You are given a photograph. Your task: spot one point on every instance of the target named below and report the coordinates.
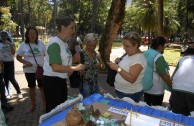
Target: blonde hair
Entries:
(91, 37)
(134, 38)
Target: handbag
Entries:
(111, 74)
(39, 70)
(75, 78)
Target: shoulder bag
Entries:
(111, 74)
(39, 70)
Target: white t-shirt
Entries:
(125, 86)
(5, 53)
(39, 52)
(78, 47)
(183, 78)
(65, 55)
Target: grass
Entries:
(172, 56)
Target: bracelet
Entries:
(119, 70)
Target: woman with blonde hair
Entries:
(130, 70)
(93, 63)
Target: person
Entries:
(130, 70)
(27, 57)
(8, 89)
(78, 46)
(93, 62)
(4, 105)
(182, 97)
(7, 52)
(57, 64)
(159, 72)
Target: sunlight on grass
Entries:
(172, 56)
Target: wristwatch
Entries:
(119, 70)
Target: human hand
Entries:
(97, 65)
(80, 67)
(117, 60)
(113, 66)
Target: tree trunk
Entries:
(160, 18)
(114, 22)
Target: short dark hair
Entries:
(27, 32)
(156, 42)
(66, 21)
(189, 51)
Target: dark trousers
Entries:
(182, 102)
(2, 90)
(9, 75)
(55, 91)
(153, 100)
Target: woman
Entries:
(7, 52)
(159, 72)
(93, 63)
(27, 57)
(130, 70)
(57, 64)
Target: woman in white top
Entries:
(130, 69)
(25, 56)
(58, 63)
(7, 52)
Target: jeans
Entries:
(9, 75)
(87, 88)
(135, 96)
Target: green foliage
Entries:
(87, 19)
(5, 19)
(142, 15)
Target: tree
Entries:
(114, 22)
(160, 17)
(5, 19)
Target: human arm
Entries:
(25, 62)
(100, 64)
(55, 61)
(130, 75)
(161, 70)
(11, 45)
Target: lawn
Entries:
(172, 56)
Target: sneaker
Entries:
(8, 96)
(20, 96)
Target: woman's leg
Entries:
(32, 93)
(32, 90)
(54, 93)
(10, 75)
(86, 89)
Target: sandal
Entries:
(30, 110)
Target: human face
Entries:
(129, 48)
(161, 49)
(91, 46)
(69, 31)
(32, 35)
(4, 36)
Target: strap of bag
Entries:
(33, 54)
(123, 56)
